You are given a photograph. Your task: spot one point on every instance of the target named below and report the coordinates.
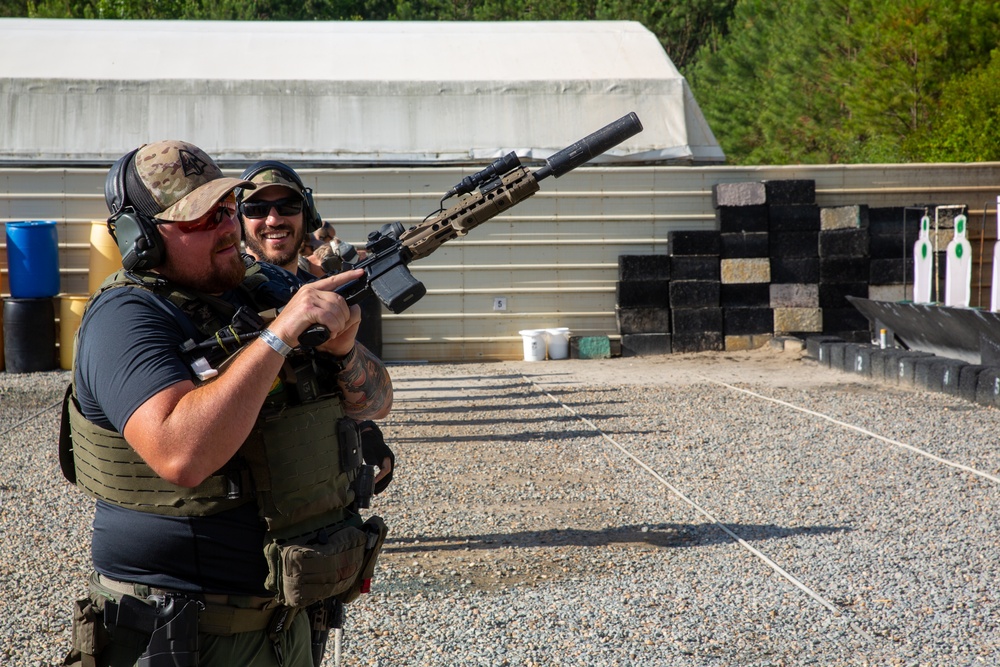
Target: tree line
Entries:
(779, 81)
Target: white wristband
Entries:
(275, 343)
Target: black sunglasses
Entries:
(260, 209)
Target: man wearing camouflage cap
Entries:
(214, 411)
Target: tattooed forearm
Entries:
(366, 386)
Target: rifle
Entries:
(483, 196)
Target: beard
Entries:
(259, 248)
(220, 274)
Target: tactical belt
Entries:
(222, 614)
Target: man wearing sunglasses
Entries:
(195, 465)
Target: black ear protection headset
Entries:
(132, 222)
(310, 216)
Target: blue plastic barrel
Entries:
(33, 259)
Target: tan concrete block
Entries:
(744, 343)
(840, 217)
(801, 295)
(890, 292)
(745, 271)
(798, 319)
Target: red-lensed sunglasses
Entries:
(224, 210)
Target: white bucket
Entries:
(558, 343)
(534, 344)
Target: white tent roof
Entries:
(341, 92)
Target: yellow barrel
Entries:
(105, 258)
(70, 314)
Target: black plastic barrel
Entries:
(29, 335)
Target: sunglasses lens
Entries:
(260, 209)
(211, 220)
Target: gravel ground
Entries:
(522, 533)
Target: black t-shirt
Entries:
(128, 352)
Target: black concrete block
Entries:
(858, 359)
(907, 369)
(988, 387)
(745, 295)
(696, 320)
(737, 219)
(793, 218)
(744, 246)
(794, 270)
(834, 295)
(813, 344)
(837, 353)
(739, 195)
(643, 320)
(641, 345)
(890, 271)
(700, 242)
(643, 294)
(939, 374)
(634, 268)
(790, 191)
(890, 362)
(794, 244)
(747, 321)
(695, 267)
(831, 349)
(698, 342)
(893, 246)
(849, 243)
(968, 381)
(843, 270)
(838, 320)
(694, 294)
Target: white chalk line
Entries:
(897, 443)
(830, 606)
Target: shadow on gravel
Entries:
(657, 535)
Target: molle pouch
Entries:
(376, 531)
(349, 440)
(303, 572)
(89, 634)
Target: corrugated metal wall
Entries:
(554, 258)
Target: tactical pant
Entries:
(222, 646)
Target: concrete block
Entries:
(745, 343)
(789, 344)
(695, 267)
(968, 381)
(843, 270)
(749, 295)
(642, 345)
(642, 320)
(790, 191)
(939, 374)
(813, 344)
(747, 321)
(830, 350)
(744, 271)
(893, 246)
(742, 219)
(844, 217)
(794, 269)
(840, 320)
(590, 347)
(988, 387)
(744, 245)
(858, 359)
(885, 366)
(694, 294)
(643, 294)
(695, 320)
(712, 341)
(787, 320)
(794, 295)
(849, 243)
(890, 271)
(794, 244)
(700, 242)
(793, 218)
(634, 268)
(898, 292)
(738, 194)
(834, 295)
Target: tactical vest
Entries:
(297, 464)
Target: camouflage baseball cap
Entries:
(183, 181)
(268, 178)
